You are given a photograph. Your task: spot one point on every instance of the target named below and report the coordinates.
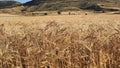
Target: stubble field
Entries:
(60, 41)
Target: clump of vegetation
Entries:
(45, 13)
(61, 46)
(59, 12)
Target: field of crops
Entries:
(62, 41)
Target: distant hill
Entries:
(59, 5)
(8, 4)
(38, 5)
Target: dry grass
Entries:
(90, 43)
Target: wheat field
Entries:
(62, 41)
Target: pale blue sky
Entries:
(23, 1)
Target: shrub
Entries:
(59, 12)
(45, 13)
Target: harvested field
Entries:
(63, 41)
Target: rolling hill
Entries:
(38, 5)
(59, 5)
(8, 4)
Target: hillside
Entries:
(8, 4)
(37, 5)
(59, 5)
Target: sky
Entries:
(23, 1)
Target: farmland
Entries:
(60, 41)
